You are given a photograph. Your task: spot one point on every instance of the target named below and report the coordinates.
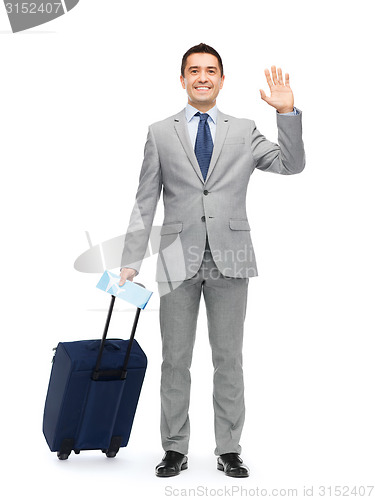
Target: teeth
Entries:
(202, 88)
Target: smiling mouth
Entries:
(202, 88)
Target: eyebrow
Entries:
(197, 67)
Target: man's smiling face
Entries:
(202, 80)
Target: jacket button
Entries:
(203, 219)
(205, 192)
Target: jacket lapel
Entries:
(182, 132)
(222, 126)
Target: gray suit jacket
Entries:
(215, 208)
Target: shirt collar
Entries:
(190, 112)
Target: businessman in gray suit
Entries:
(203, 160)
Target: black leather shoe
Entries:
(172, 464)
(232, 465)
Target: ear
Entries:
(222, 82)
(182, 80)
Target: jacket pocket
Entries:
(171, 228)
(239, 224)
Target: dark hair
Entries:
(202, 48)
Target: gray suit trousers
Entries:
(225, 300)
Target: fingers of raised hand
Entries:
(277, 78)
(268, 78)
(274, 76)
(280, 76)
(263, 95)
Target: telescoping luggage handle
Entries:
(97, 373)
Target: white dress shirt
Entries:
(193, 121)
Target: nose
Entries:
(202, 77)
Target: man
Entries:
(203, 160)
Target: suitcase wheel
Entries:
(110, 453)
(114, 447)
(77, 452)
(66, 449)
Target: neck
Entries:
(203, 107)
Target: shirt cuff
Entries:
(291, 113)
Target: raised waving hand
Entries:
(281, 94)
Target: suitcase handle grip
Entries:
(96, 373)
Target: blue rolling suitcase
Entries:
(93, 393)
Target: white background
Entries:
(77, 95)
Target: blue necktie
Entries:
(203, 144)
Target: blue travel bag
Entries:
(93, 393)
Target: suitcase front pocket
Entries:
(99, 416)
